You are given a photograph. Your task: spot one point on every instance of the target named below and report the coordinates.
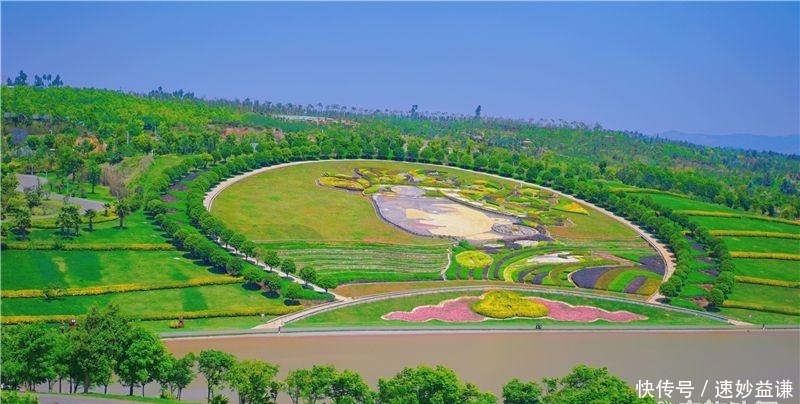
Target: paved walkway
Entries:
(30, 181)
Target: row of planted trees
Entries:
(105, 346)
(201, 240)
(667, 226)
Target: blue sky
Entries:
(707, 68)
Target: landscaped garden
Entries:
(328, 216)
(504, 308)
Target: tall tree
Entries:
(517, 392)
(97, 344)
(214, 365)
(140, 361)
(255, 382)
(590, 385)
(90, 215)
(122, 208)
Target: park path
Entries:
(278, 322)
(661, 249)
(30, 181)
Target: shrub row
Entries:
(765, 255)
(31, 245)
(755, 233)
(121, 288)
(769, 282)
(239, 312)
(734, 304)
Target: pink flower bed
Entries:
(585, 314)
(459, 311)
(454, 311)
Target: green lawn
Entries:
(678, 203)
(762, 244)
(759, 317)
(138, 230)
(735, 223)
(23, 269)
(213, 323)
(784, 270)
(768, 295)
(299, 209)
(369, 314)
(594, 226)
(222, 297)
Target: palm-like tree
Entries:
(122, 209)
(90, 214)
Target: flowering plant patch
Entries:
(505, 304)
(453, 310)
(510, 305)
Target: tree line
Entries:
(131, 125)
(106, 346)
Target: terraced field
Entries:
(134, 267)
(353, 262)
(765, 289)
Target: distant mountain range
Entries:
(780, 144)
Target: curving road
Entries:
(30, 181)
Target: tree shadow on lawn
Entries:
(250, 286)
(271, 294)
(291, 302)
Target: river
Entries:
(489, 359)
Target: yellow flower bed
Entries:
(777, 256)
(505, 304)
(474, 259)
(351, 184)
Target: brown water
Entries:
(491, 359)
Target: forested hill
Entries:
(789, 144)
(40, 122)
